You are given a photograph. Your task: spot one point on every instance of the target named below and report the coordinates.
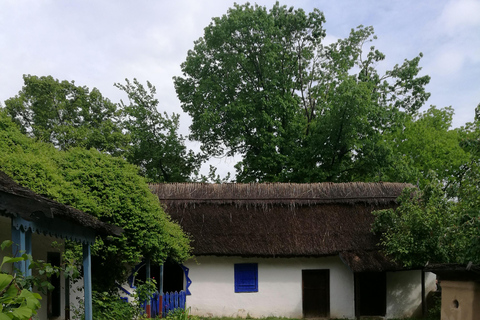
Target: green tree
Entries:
(156, 146)
(426, 147)
(261, 84)
(67, 115)
(422, 229)
(104, 186)
(441, 221)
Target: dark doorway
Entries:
(173, 276)
(370, 294)
(316, 293)
(53, 296)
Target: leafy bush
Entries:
(109, 305)
(104, 186)
(17, 302)
(181, 314)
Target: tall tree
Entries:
(439, 222)
(67, 115)
(156, 146)
(262, 85)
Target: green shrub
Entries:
(181, 314)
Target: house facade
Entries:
(39, 226)
(292, 250)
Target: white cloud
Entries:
(460, 14)
(448, 62)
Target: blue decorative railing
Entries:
(169, 302)
(173, 300)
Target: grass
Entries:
(282, 318)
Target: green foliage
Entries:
(106, 187)
(181, 314)
(67, 115)
(17, 302)
(434, 311)
(426, 147)
(440, 222)
(156, 146)
(262, 85)
(421, 229)
(429, 226)
(109, 306)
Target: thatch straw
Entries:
(282, 219)
(175, 194)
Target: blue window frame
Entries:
(246, 277)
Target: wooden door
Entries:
(370, 294)
(316, 293)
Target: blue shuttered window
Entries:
(246, 277)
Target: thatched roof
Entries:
(16, 200)
(282, 219)
(277, 193)
(455, 271)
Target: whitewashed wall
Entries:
(41, 245)
(279, 287)
(404, 292)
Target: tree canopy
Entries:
(439, 222)
(262, 84)
(425, 147)
(67, 115)
(104, 186)
(156, 146)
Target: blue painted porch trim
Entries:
(28, 250)
(55, 228)
(22, 237)
(147, 275)
(187, 278)
(19, 247)
(87, 281)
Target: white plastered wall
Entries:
(41, 245)
(279, 287)
(404, 292)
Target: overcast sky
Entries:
(98, 43)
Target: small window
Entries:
(246, 277)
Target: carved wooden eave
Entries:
(32, 212)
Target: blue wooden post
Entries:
(28, 250)
(22, 244)
(160, 280)
(148, 278)
(160, 292)
(87, 281)
(19, 247)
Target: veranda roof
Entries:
(16, 200)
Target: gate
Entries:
(172, 301)
(161, 306)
